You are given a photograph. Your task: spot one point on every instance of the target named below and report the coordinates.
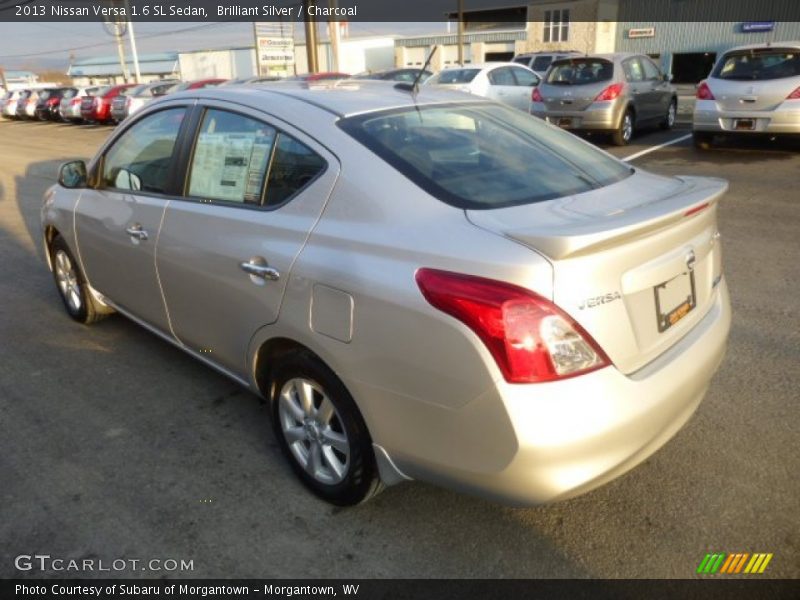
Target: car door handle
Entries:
(262, 271)
(136, 231)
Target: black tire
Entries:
(672, 113)
(85, 310)
(360, 480)
(702, 139)
(624, 133)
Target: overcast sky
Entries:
(49, 45)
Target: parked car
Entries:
(508, 83)
(97, 108)
(133, 99)
(423, 286)
(69, 108)
(198, 84)
(48, 103)
(324, 76)
(246, 80)
(606, 93)
(10, 104)
(26, 104)
(539, 62)
(752, 90)
(404, 74)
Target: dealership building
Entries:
(685, 47)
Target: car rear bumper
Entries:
(574, 435)
(783, 120)
(598, 116)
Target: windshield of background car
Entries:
(484, 156)
(750, 65)
(454, 76)
(132, 91)
(580, 71)
(540, 63)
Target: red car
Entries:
(97, 108)
(195, 85)
(326, 76)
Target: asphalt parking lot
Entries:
(115, 445)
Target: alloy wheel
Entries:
(67, 279)
(314, 431)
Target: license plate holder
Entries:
(674, 299)
(566, 122)
(744, 124)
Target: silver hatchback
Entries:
(606, 93)
(751, 90)
(430, 286)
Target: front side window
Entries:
(230, 158)
(540, 63)
(483, 156)
(759, 64)
(141, 158)
(556, 25)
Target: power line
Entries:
(98, 44)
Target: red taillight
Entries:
(795, 95)
(536, 96)
(704, 92)
(696, 209)
(530, 338)
(612, 92)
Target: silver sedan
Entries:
(752, 90)
(405, 281)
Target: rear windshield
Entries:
(44, 94)
(580, 71)
(455, 76)
(749, 65)
(484, 156)
(70, 93)
(132, 91)
(540, 63)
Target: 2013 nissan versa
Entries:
(424, 286)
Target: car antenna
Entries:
(414, 87)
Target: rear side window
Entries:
(484, 156)
(141, 158)
(455, 76)
(753, 65)
(633, 70)
(230, 158)
(580, 71)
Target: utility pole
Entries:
(461, 32)
(119, 32)
(311, 35)
(3, 79)
(334, 34)
(258, 50)
(135, 54)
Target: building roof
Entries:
(107, 66)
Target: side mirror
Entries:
(73, 174)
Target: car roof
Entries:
(343, 98)
(546, 52)
(485, 65)
(792, 44)
(612, 56)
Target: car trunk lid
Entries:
(568, 97)
(745, 96)
(635, 263)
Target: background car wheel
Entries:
(71, 285)
(322, 433)
(702, 140)
(622, 136)
(669, 118)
